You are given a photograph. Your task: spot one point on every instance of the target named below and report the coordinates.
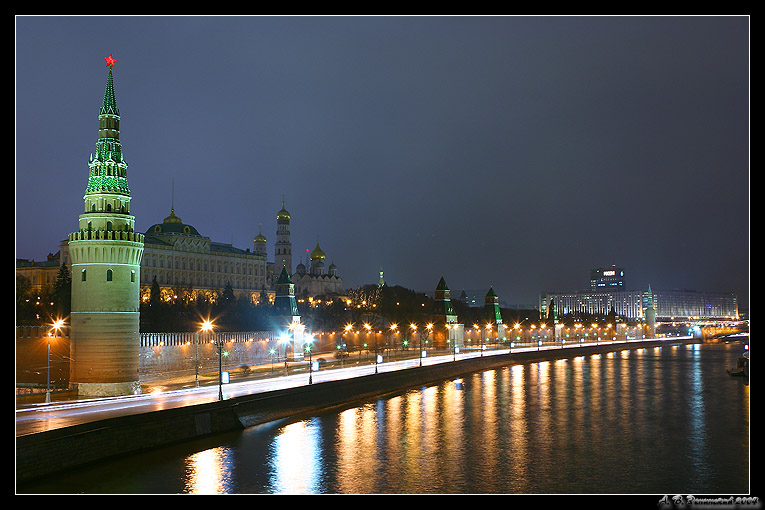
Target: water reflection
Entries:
(564, 425)
(356, 447)
(208, 472)
(295, 463)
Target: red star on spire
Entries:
(110, 61)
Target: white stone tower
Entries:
(106, 262)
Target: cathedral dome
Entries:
(317, 254)
(260, 238)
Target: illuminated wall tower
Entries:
(447, 331)
(494, 328)
(106, 261)
(286, 316)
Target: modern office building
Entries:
(607, 278)
(669, 305)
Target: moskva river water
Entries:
(666, 420)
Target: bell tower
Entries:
(106, 262)
(283, 247)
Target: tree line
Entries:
(378, 306)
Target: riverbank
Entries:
(48, 452)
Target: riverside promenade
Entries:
(62, 435)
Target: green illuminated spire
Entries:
(110, 102)
(108, 169)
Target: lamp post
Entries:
(208, 326)
(393, 333)
(310, 362)
(285, 340)
(347, 329)
(368, 328)
(454, 343)
(413, 327)
(56, 326)
(429, 327)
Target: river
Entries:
(664, 420)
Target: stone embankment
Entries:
(48, 452)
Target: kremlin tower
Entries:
(106, 262)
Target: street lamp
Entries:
(310, 363)
(413, 327)
(56, 326)
(429, 327)
(452, 340)
(207, 327)
(285, 340)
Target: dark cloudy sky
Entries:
(518, 152)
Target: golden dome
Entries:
(317, 254)
(172, 218)
(260, 238)
(283, 214)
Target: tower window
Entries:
(132, 276)
(109, 274)
(83, 275)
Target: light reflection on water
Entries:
(661, 420)
(208, 471)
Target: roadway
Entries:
(34, 418)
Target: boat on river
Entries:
(742, 365)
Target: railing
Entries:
(191, 337)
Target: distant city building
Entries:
(665, 305)
(668, 305)
(40, 275)
(607, 293)
(609, 278)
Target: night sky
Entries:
(517, 152)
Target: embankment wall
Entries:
(48, 452)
